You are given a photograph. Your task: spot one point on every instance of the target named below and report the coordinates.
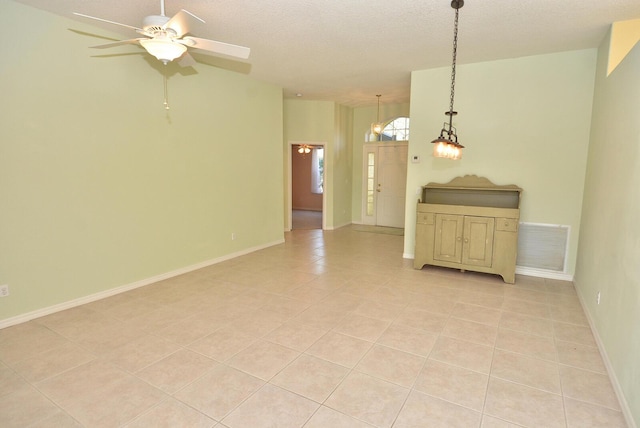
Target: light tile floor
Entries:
(304, 219)
(330, 329)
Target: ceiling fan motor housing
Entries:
(155, 23)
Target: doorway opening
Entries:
(307, 186)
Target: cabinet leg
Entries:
(509, 279)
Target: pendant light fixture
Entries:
(377, 127)
(446, 145)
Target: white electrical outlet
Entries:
(598, 298)
(233, 236)
(4, 290)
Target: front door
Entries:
(389, 184)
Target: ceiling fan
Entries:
(166, 40)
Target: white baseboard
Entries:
(626, 411)
(7, 322)
(542, 273)
(338, 226)
(539, 273)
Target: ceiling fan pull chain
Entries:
(166, 92)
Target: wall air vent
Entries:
(543, 246)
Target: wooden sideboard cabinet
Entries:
(469, 224)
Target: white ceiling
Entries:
(350, 50)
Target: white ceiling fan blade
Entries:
(182, 21)
(186, 60)
(107, 21)
(216, 47)
(120, 43)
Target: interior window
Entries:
(317, 170)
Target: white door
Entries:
(390, 184)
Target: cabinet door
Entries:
(448, 238)
(478, 241)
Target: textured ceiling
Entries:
(350, 50)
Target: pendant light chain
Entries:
(166, 92)
(376, 128)
(453, 66)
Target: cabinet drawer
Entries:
(507, 224)
(425, 218)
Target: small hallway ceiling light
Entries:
(304, 149)
(446, 145)
(377, 127)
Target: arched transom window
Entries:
(396, 130)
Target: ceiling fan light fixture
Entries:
(304, 149)
(163, 49)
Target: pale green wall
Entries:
(524, 121)
(101, 187)
(609, 252)
(309, 120)
(329, 123)
(342, 166)
(363, 117)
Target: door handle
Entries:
(378, 189)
